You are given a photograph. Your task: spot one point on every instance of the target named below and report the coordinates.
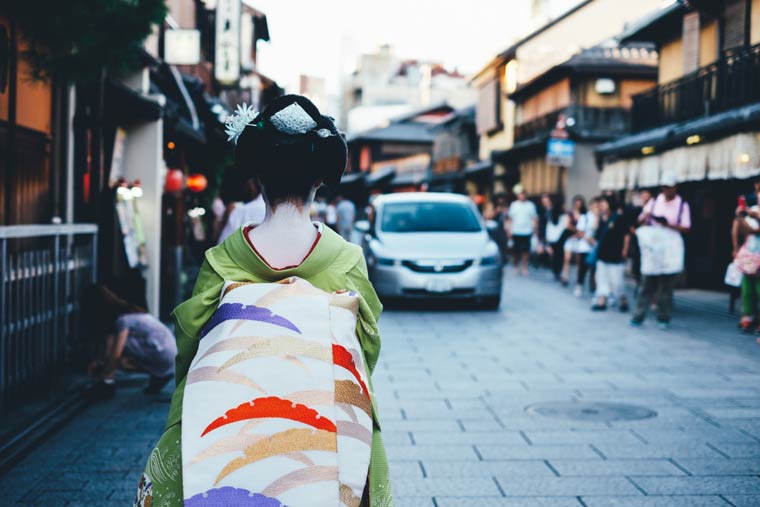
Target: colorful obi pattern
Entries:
(276, 409)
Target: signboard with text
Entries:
(227, 44)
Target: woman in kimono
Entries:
(291, 149)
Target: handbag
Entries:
(734, 276)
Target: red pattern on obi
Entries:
(272, 406)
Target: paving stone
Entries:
(655, 501)
(615, 467)
(524, 468)
(704, 485)
(448, 486)
(614, 451)
(566, 486)
(721, 466)
(512, 452)
(431, 452)
(744, 500)
(749, 450)
(552, 501)
(469, 437)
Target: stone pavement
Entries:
(453, 387)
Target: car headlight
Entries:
(490, 260)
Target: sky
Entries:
(323, 38)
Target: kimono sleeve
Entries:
(191, 315)
(369, 312)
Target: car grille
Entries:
(425, 293)
(442, 267)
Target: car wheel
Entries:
(491, 302)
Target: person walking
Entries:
(134, 341)
(747, 258)
(522, 219)
(253, 211)
(346, 211)
(291, 149)
(582, 224)
(610, 252)
(663, 222)
(555, 233)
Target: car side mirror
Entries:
(362, 226)
(491, 225)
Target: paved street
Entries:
(453, 389)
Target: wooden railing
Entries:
(598, 122)
(732, 81)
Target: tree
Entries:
(81, 40)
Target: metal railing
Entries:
(43, 272)
(584, 120)
(732, 81)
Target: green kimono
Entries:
(333, 264)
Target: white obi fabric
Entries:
(277, 409)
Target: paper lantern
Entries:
(197, 183)
(174, 180)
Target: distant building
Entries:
(563, 113)
(315, 88)
(423, 150)
(384, 86)
(586, 24)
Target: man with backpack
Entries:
(663, 222)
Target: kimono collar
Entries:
(240, 252)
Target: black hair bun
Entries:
(291, 141)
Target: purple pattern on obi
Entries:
(231, 497)
(239, 311)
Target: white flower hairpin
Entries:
(238, 121)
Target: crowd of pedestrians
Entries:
(590, 245)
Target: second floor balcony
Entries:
(596, 123)
(730, 82)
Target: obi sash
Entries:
(277, 410)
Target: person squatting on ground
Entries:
(664, 220)
(522, 220)
(610, 252)
(134, 341)
(747, 258)
(291, 149)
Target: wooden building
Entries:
(580, 102)
(700, 124)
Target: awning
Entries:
(670, 136)
(407, 179)
(613, 176)
(479, 169)
(125, 106)
(380, 176)
(736, 156)
(354, 178)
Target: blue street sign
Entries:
(560, 152)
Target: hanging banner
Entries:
(227, 44)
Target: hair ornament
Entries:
(293, 120)
(238, 121)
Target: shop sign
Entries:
(560, 152)
(227, 44)
(182, 47)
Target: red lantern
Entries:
(197, 183)
(174, 180)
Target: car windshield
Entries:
(429, 217)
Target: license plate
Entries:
(438, 285)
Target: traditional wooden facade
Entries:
(699, 125)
